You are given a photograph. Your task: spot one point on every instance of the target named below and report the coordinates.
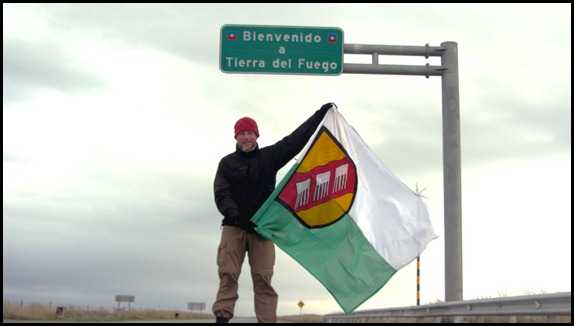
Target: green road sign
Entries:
(281, 50)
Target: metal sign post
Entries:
(300, 304)
(448, 51)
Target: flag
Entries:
(232, 35)
(344, 216)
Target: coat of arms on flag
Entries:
(321, 190)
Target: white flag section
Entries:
(393, 218)
(344, 216)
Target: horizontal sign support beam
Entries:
(363, 68)
(427, 51)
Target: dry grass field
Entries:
(15, 310)
(30, 312)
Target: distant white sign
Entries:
(125, 298)
(196, 306)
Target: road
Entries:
(236, 320)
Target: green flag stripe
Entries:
(339, 256)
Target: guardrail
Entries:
(549, 306)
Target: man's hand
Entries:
(233, 216)
(248, 226)
(327, 106)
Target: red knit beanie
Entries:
(246, 124)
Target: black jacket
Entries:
(244, 181)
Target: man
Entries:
(244, 180)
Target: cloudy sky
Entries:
(116, 115)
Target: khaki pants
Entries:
(235, 243)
